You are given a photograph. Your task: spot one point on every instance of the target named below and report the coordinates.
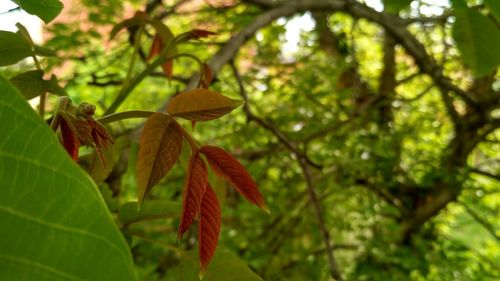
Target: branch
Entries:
(484, 173)
(304, 163)
(486, 225)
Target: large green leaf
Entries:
(478, 39)
(13, 48)
(54, 225)
(47, 10)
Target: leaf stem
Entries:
(130, 86)
(134, 56)
(192, 143)
(126, 115)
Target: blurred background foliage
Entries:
(377, 132)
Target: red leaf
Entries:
(69, 140)
(207, 75)
(159, 148)
(209, 227)
(194, 189)
(168, 68)
(156, 47)
(226, 166)
(198, 33)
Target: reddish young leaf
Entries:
(209, 227)
(226, 166)
(159, 148)
(168, 68)
(194, 34)
(89, 132)
(201, 105)
(69, 140)
(207, 76)
(194, 189)
(156, 47)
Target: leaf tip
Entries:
(266, 209)
(202, 273)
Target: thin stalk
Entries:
(126, 115)
(137, 42)
(129, 87)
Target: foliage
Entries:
(374, 140)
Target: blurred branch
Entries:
(486, 225)
(484, 173)
(304, 163)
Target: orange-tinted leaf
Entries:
(194, 189)
(209, 227)
(159, 148)
(201, 105)
(69, 140)
(156, 47)
(168, 68)
(226, 166)
(207, 75)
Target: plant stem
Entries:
(126, 115)
(134, 56)
(192, 143)
(129, 87)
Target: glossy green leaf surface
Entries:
(54, 223)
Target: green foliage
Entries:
(55, 224)
(477, 39)
(13, 48)
(46, 10)
(394, 6)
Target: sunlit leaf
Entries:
(226, 166)
(201, 105)
(159, 148)
(194, 189)
(209, 227)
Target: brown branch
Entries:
(304, 164)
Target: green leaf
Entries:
(46, 10)
(30, 84)
(54, 223)
(477, 39)
(494, 7)
(394, 6)
(13, 48)
(150, 209)
(53, 87)
(224, 266)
